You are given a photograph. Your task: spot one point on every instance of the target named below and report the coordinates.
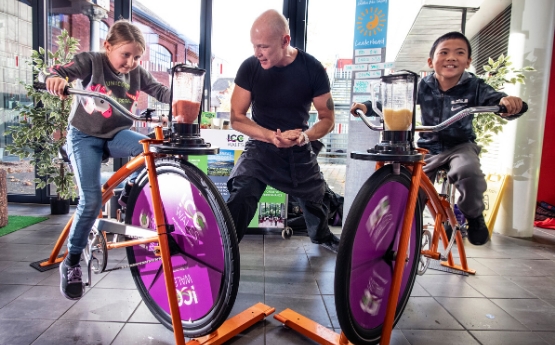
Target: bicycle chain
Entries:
(133, 265)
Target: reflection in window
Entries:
(160, 58)
(102, 31)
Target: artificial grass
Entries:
(19, 222)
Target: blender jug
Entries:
(398, 100)
(188, 84)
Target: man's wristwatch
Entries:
(306, 140)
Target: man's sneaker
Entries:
(331, 244)
(71, 283)
(478, 233)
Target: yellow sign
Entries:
(492, 198)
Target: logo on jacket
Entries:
(462, 101)
(97, 104)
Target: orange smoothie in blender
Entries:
(185, 111)
(397, 119)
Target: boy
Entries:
(441, 95)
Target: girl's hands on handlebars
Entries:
(55, 86)
(513, 105)
(356, 106)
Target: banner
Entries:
(369, 46)
(272, 208)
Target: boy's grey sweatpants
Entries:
(465, 173)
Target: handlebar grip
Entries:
(503, 109)
(39, 86)
(42, 87)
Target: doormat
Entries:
(19, 222)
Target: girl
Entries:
(95, 128)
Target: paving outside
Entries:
(510, 300)
(335, 176)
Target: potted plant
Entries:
(497, 74)
(39, 135)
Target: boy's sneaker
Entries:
(478, 233)
(124, 196)
(331, 244)
(71, 283)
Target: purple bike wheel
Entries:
(369, 243)
(203, 247)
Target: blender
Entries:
(187, 84)
(398, 104)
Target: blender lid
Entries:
(400, 75)
(188, 69)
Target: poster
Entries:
(271, 211)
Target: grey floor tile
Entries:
(8, 293)
(480, 269)
(329, 301)
(549, 337)
(105, 305)
(279, 335)
(290, 283)
(39, 302)
(4, 264)
(25, 252)
(535, 314)
(145, 333)
(325, 281)
(254, 335)
(541, 287)
(119, 279)
(252, 261)
(79, 333)
(142, 315)
(22, 332)
(27, 236)
(479, 314)
(507, 338)
(498, 287)
(418, 290)
(310, 306)
(450, 285)
(516, 267)
(251, 281)
(287, 262)
(322, 263)
(426, 313)
(243, 301)
(434, 337)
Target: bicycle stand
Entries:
(310, 329)
(235, 325)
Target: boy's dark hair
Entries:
(450, 36)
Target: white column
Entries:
(530, 43)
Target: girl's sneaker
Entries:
(71, 282)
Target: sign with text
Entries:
(271, 211)
(370, 24)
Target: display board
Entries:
(272, 208)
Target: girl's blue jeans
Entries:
(85, 153)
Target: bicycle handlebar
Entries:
(439, 127)
(113, 102)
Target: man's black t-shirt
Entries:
(281, 96)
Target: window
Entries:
(160, 58)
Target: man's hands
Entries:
(288, 138)
(513, 105)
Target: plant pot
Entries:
(59, 206)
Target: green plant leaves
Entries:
(34, 136)
(498, 73)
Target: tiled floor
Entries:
(511, 300)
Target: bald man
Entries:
(279, 83)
